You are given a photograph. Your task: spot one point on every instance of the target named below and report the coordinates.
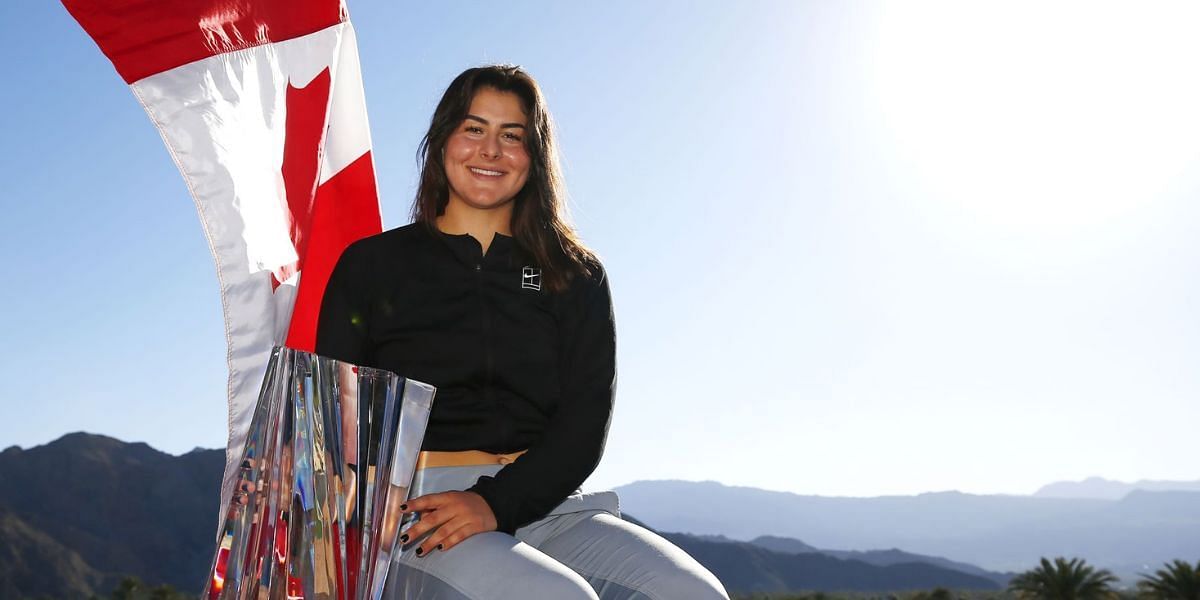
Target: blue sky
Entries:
(879, 248)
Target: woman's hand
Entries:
(456, 516)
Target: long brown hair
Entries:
(539, 219)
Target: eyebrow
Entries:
(503, 126)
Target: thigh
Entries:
(486, 565)
(623, 561)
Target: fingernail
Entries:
(246, 464)
(439, 547)
(403, 507)
(419, 551)
(404, 539)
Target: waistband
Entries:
(464, 458)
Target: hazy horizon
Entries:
(1087, 480)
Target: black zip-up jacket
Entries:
(516, 366)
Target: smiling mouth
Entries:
(486, 172)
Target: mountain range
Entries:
(80, 513)
(747, 567)
(881, 558)
(1130, 535)
(1106, 489)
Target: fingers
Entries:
(457, 516)
(432, 511)
(446, 538)
(426, 502)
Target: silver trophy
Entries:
(328, 461)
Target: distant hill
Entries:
(880, 558)
(746, 567)
(756, 567)
(1105, 489)
(783, 544)
(999, 533)
(80, 512)
(37, 565)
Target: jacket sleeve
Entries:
(342, 331)
(557, 465)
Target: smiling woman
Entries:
(486, 161)
(491, 297)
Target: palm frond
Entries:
(1064, 579)
(1178, 580)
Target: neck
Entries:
(482, 225)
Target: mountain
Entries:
(998, 533)
(882, 558)
(88, 509)
(1105, 489)
(745, 567)
(752, 567)
(28, 555)
(783, 544)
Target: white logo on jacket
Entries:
(531, 278)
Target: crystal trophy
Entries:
(328, 461)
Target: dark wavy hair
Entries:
(539, 220)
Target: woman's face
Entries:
(486, 161)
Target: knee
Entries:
(693, 582)
(670, 581)
(560, 585)
(492, 566)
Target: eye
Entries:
(473, 129)
(513, 137)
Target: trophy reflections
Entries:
(328, 461)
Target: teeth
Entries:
(486, 172)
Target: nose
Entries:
(490, 148)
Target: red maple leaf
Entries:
(304, 130)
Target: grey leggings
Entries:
(582, 549)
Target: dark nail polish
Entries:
(419, 551)
(403, 507)
(439, 547)
(246, 464)
(404, 539)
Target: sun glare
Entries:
(1043, 117)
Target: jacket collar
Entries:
(469, 251)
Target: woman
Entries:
(490, 296)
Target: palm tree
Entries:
(1178, 581)
(1064, 580)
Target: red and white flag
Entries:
(260, 103)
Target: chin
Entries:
(486, 201)
(488, 204)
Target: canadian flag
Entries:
(260, 103)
